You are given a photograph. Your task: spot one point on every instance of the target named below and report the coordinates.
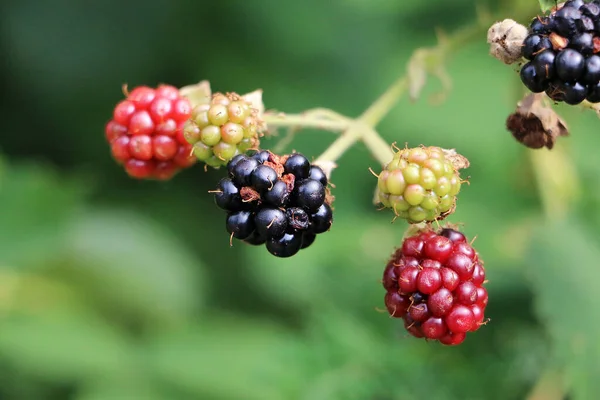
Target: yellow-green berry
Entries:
(223, 128)
(419, 184)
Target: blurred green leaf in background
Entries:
(113, 289)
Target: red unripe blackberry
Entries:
(434, 281)
(146, 133)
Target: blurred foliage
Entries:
(117, 289)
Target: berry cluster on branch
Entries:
(284, 201)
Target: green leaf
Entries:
(229, 358)
(134, 264)
(547, 5)
(122, 389)
(563, 264)
(62, 346)
(36, 206)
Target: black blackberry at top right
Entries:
(563, 53)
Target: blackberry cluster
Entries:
(222, 129)
(434, 282)
(146, 132)
(419, 185)
(280, 201)
(562, 49)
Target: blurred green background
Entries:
(116, 289)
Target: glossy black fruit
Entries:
(270, 222)
(285, 246)
(242, 171)
(309, 194)
(278, 195)
(263, 178)
(569, 65)
(321, 220)
(227, 196)
(317, 174)
(240, 224)
(534, 44)
(591, 74)
(533, 80)
(297, 165)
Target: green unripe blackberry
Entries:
(420, 184)
(222, 129)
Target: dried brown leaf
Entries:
(535, 123)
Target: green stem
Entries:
(384, 104)
(305, 120)
(340, 145)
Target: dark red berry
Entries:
(440, 302)
(466, 293)
(453, 339)
(442, 277)
(413, 327)
(396, 304)
(428, 263)
(460, 319)
(478, 274)
(434, 328)
(462, 265)
(438, 248)
(482, 296)
(453, 235)
(419, 312)
(429, 280)
(477, 311)
(450, 278)
(390, 278)
(412, 247)
(407, 280)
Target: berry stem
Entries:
(318, 119)
(363, 127)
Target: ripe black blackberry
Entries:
(280, 201)
(561, 48)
